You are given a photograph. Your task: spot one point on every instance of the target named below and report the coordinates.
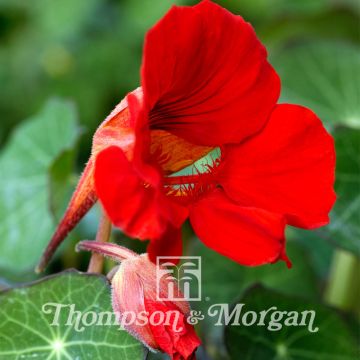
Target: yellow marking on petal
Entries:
(177, 153)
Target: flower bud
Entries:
(136, 293)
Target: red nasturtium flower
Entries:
(158, 324)
(206, 84)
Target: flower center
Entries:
(173, 153)
(195, 180)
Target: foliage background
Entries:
(89, 52)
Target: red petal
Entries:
(128, 202)
(288, 168)
(205, 76)
(179, 345)
(140, 209)
(168, 244)
(249, 236)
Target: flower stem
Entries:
(102, 235)
(343, 287)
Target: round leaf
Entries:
(344, 228)
(325, 77)
(332, 341)
(25, 321)
(26, 223)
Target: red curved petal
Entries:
(288, 168)
(140, 209)
(249, 236)
(129, 204)
(179, 344)
(205, 76)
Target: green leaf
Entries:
(344, 228)
(299, 280)
(62, 182)
(333, 341)
(325, 77)
(26, 223)
(223, 281)
(26, 331)
(319, 249)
